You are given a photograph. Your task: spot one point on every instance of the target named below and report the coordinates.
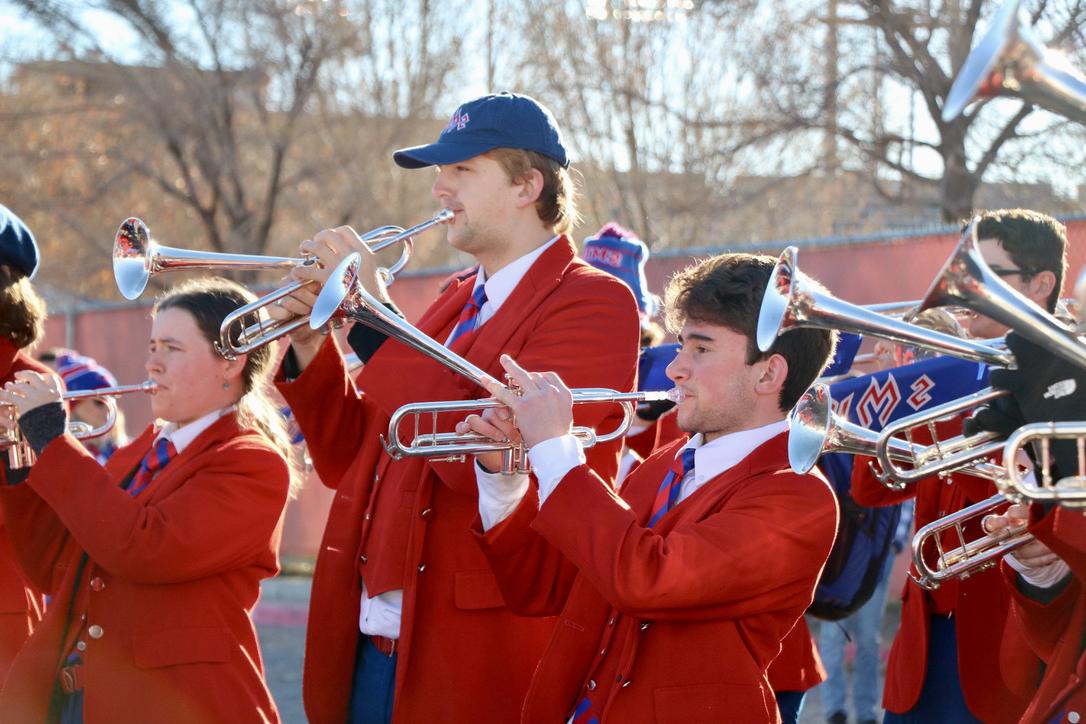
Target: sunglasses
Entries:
(1001, 271)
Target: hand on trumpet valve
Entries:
(496, 423)
(329, 248)
(1034, 560)
(541, 403)
(30, 390)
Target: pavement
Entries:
(280, 623)
(280, 619)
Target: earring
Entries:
(225, 385)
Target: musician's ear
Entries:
(1040, 287)
(773, 375)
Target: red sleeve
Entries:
(868, 491)
(534, 577)
(37, 535)
(329, 410)
(1042, 624)
(222, 517)
(757, 553)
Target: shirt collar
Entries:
(714, 458)
(505, 280)
(182, 436)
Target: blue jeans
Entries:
(374, 684)
(71, 711)
(790, 704)
(941, 699)
(864, 627)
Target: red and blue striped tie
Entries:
(668, 494)
(469, 317)
(157, 457)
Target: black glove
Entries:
(1044, 387)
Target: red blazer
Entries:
(979, 604)
(1056, 630)
(21, 607)
(169, 576)
(674, 624)
(460, 648)
(798, 667)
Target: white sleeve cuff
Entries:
(1039, 576)
(552, 459)
(499, 495)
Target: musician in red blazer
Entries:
(1045, 577)
(945, 661)
(406, 621)
(674, 596)
(154, 561)
(22, 316)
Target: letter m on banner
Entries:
(878, 402)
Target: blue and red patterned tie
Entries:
(583, 713)
(157, 457)
(668, 494)
(469, 317)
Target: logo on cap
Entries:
(458, 122)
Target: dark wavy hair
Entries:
(727, 290)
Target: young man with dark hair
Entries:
(945, 663)
(1028, 250)
(674, 594)
(406, 621)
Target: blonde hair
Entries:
(209, 300)
(557, 202)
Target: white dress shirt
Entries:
(182, 436)
(551, 459)
(381, 615)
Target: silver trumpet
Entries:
(137, 257)
(1042, 487)
(344, 296)
(245, 329)
(428, 442)
(21, 455)
(971, 552)
(967, 454)
(814, 430)
(793, 300)
(1010, 60)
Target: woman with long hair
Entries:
(22, 320)
(154, 560)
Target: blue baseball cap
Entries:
(504, 120)
(17, 246)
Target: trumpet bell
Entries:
(809, 428)
(132, 249)
(1011, 60)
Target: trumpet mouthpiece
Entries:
(673, 395)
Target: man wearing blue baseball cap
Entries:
(407, 622)
(22, 320)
